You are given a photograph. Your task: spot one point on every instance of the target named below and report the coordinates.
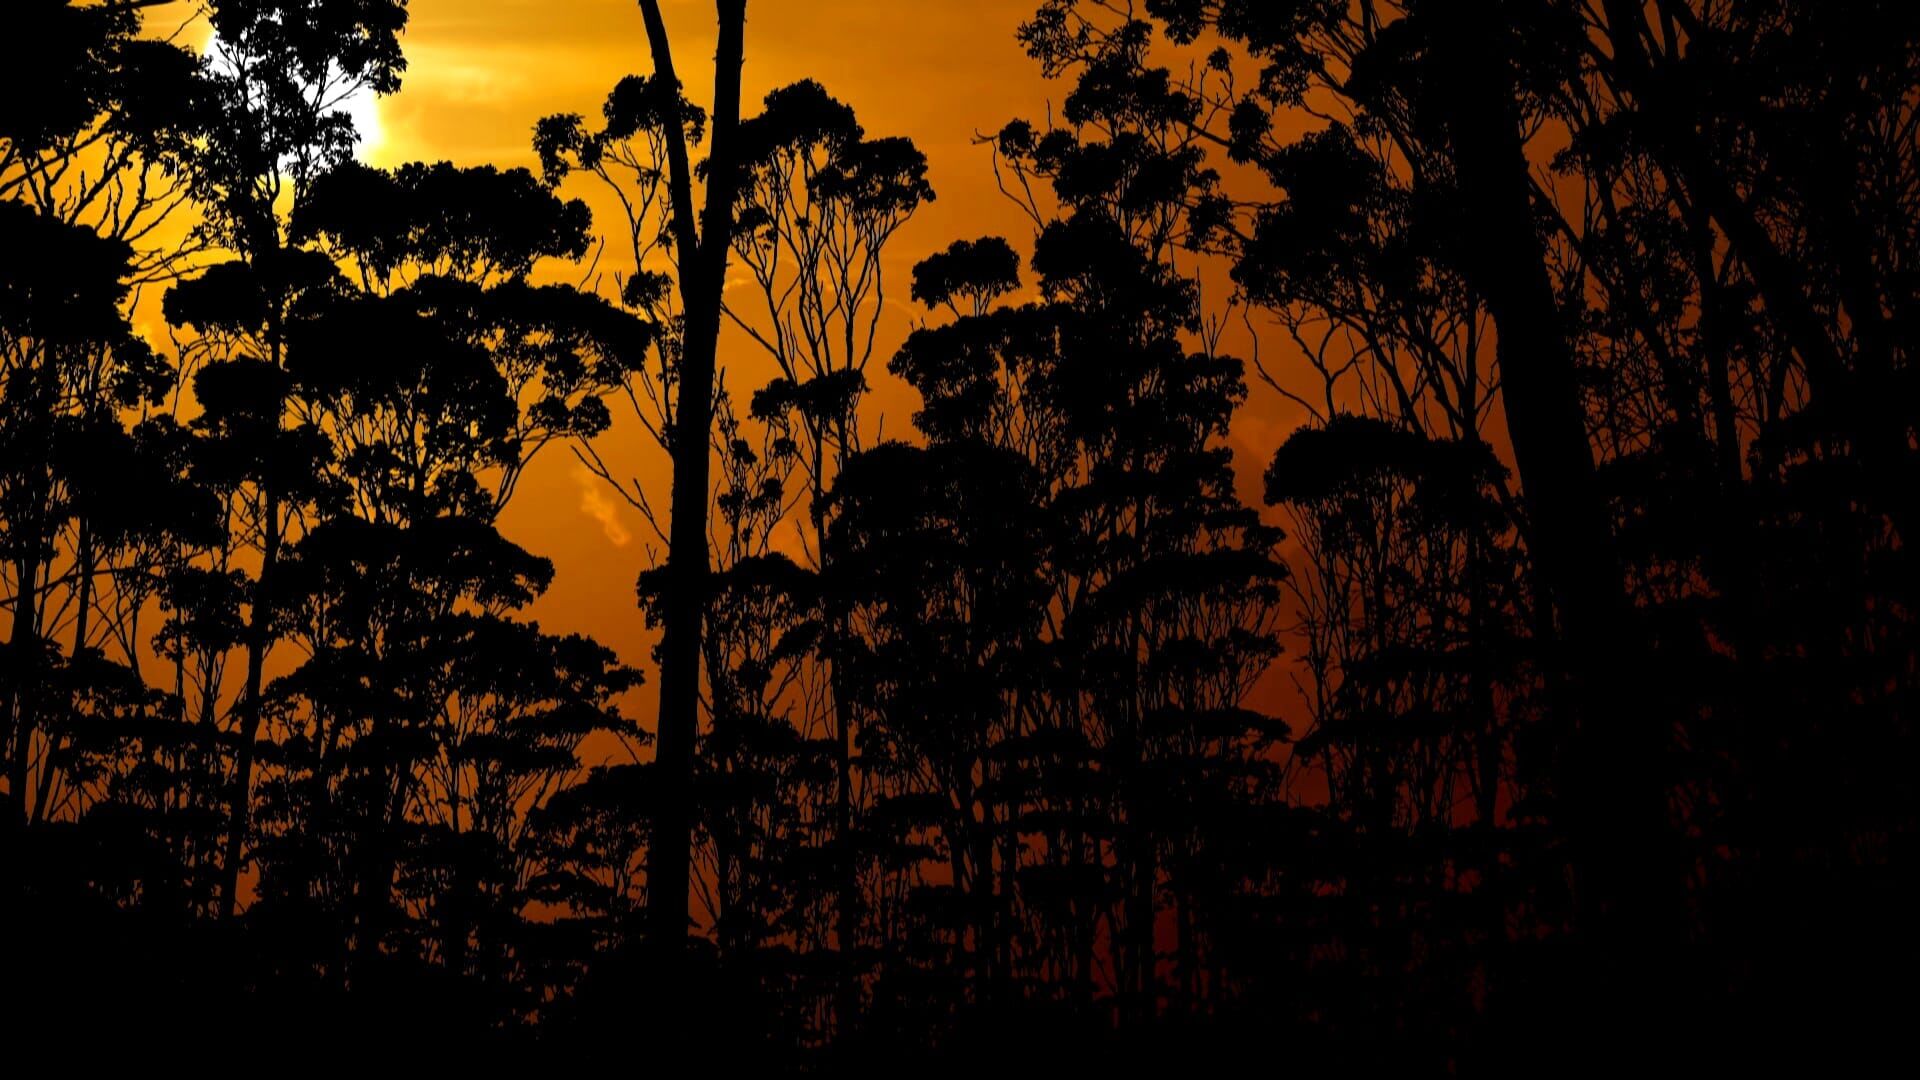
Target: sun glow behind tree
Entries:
(363, 106)
(340, 94)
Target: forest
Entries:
(953, 744)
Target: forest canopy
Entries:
(1549, 709)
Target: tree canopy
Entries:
(1545, 707)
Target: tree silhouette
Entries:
(819, 204)
(71, 362)
(278, 80)
(814, 204)
(72, 359)
(653, 110)
(410, 747)
(1566, 720)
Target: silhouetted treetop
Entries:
(1326, 234)
(140, 485)
(61, 284)
(1348, 451)
(242, 297)
(976, 272)
(137, 89)
(796, 119)
(242, 435)
(377, 567)
(897, 507)
(473, 223)
(320, 41)
(877, 178)
(638, 106)
(1090, 258)
(279, 81)
(382, 350)
(820, 399)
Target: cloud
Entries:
(595, 504)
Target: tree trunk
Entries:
(703, 264)
(846, 865)
(83, 602)
(259, 635)
(1614, 799)
(24, 648)
(1668, 120)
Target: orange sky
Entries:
(481, 72)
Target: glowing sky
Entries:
(480, 72)
(943, 72)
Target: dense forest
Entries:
(1585, 576)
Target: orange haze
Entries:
(942, 72)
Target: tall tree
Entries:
(820, 202)
(649, 137)
(702, 250)
(281, 77)
(92, 144)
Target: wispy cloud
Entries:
(595, 504)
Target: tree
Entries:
(701, 250)
(797, 181)
(1127, 729)
(935, 569)
(408, 750)
(88, 159)
(70, 361)
(96, 502)
(1649, 346)
(280, 77)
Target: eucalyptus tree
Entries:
(1167, 593)
(819, 203)
(280, 77)
(406, 751)
(70, 363)
(1162, 588)
(936, 569)
(810, 206)
(90, 151)
(650, 132)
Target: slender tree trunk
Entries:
(985, 906)
(703, 262)
(1137, 854)
(24, 647)
(1615, 801)
(259, 636)
(83, 596)
(846, 868)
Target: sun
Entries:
(363, 106)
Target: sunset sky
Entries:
(480, 73)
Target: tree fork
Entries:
(703, 261)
